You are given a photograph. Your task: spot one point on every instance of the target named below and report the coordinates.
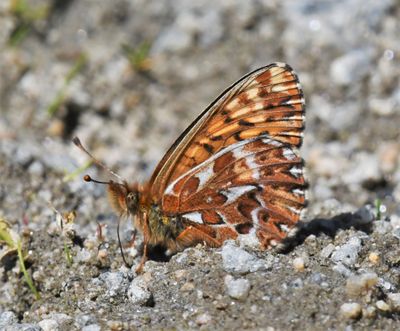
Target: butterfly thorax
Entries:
(163, 229)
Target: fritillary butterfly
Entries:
(235, 171)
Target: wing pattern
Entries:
(235, 170)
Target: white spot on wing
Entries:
(233, 193)
(205, 175)
(249, 157)
(271, 142)
(251, 163)
(194, 217)
(298, 191)
(296, 171)
(288, 154)
(223, 217)
(254, 216)
(294, 210)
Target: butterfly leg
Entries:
(139, 268)
(146, 236)
(191, 236)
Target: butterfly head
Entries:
(123, 198)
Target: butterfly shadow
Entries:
(324, 226)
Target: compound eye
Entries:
(131, 201)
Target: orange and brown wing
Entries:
(235, 170)
(267, 101)
(254, 188)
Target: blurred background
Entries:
(128, 77)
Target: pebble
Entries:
(342, 269)
(187, 287)
(388, 157)
(327, 251)
(172, 39)
(49, 325)
(7, 318)
(396, 233)
(382, 107)
(299, 264)
(180, 273)
(36, 168)
(351, 67)
(347, 253)
(203, 319)
(395, 221)
(237, 288)
(84, 319)
(297, 283)
(83, 255)
(360, 284)
(394, 299)
(351, 310)
(23, 155)
(374, 257)
(25, 327)
(317, 278)
(92, 327)
(369, 312)
(139, 293)
(382, 305)
(115, 282)
(238, 260)
(382, 227)
(384, 284)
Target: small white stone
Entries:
(347, 253)
(138, 292)
(91, 327)
(351, 310)
(395, 221)
(382, 305)
(327, 251)
(237, 288)
(299, 264)
(49, 325)
(203, 319)
(8, 317)
(238, 260)
(394, 299)
(359, 284)
(350, 67)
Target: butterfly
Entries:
(235, 172)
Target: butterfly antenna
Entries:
(120, 246)
(78, 143)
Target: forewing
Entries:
(267, 101)
(254, 188)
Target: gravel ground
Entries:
(127, 77)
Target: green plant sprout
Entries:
(13, 241)
(77, 172)
(68, 255)
(26, 16)
(65, 222)
(379, 208)
(138, 57)
(60, 96)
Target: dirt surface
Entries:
(128, 77)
